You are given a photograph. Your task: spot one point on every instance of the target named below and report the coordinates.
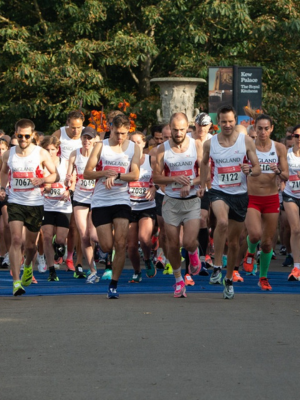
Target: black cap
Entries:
(89, 131)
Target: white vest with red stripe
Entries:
(119, 162)
(67, 145)
(22, 170)
(84, 187)
(226, 173)
(292, 186)
(180, 164)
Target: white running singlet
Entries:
(137, 189)
(67, 145)
(119, 162)
(52, 200)
(22, 170)
(84, 187)
(226, 173)
(267, 158)
(292, 187)
(176, 164)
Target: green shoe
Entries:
(136, 278)
(150, 269)
(18, 289)
(107, 275)
(27, 275)
(168, 269)
(79, 273)
(52, 275)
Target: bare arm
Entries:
(47, 162)
(204, 167)
(199, 149)
(57, 134)
(251, 154)
(70, 169)
(92, 163)
(4, 175)
(284, 167)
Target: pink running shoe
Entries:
(180, 290)
(34, 280)
(70, 265)
(195, 264)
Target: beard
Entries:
(178, 140)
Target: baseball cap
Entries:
(89, 131)
(203, 119)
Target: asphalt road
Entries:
(150, 347)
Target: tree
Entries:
(56, 55)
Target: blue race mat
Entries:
(68, 285)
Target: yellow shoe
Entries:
(168, 269)
(27, 275)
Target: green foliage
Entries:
(58, 54)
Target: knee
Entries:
(222, 225)
(16, 240)
(266, 246)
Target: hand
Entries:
(245, 168)
(66, 196)
(274, 168)
(185, 190)
(69, 180)
(47, 189)
(37, 181)
(200, 192)
(182, 180)
(109, 173)
(109, 182)
(150, 194)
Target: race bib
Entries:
(266, 168)
(177, 186)
(294, 182)
(57, 190)
(21, 181)
(86, 185)
(137, 190)
(229, 176)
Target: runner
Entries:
(22, 167)
(117, 162)
(70, 140)
(228, 152)
(263, 208)
(82, 200)
(179, 159)
(57, 209)
(291, 201)
(142, 198)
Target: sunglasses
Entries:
(290, 137)
(19, 136)
(296, 136)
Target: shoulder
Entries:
(280, 148)
(57, 133)
(5, 156)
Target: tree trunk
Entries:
(144, 78)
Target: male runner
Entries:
(228, 152)
(23, 168)
(117, 162)
(180, 158)
(263, 207)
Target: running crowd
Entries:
(181, 195)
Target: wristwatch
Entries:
(278, 173)
(250, 172)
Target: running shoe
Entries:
(263, 283)
(236, 277)
(168, 269)
(160, 262)
(289, 261)
(228, 292)
(208, 261)
(70, 265)
(52, 275)
(282, 250)
(294, 275)
(188, 280)
(112, 293)
(136, 278)
(1, 261)
(34, 280)
(258, 257)
(253, 272)
(195, 264)
(42, 267)
(5, 262)
(248, 263)
(180, 290)
(79, 273)
(274, 255)
(27, 276)
(107, 275)
(93, 278)
(18, 289)
(224, 260)
(216, 277)
(150, 269)
(203, 270)
(58, 262)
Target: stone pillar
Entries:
(177, 95)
